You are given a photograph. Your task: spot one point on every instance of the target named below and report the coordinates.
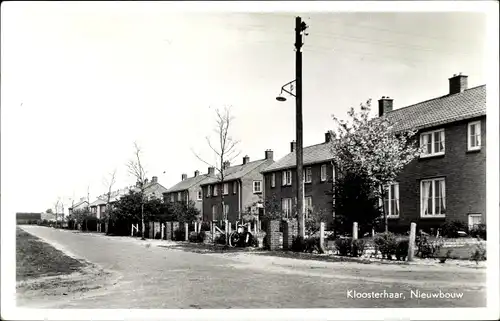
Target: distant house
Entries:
(448, 181)
(188, 189)
(28, 218)
(280, 183)
(82, 204)
(242, 189)
(98, 208)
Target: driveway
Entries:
(161, 277)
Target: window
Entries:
(214, 212)
(257, 186)
(215, 189)
(432, 143)
(433, 197)
(226, 210)
(323, 172)
(307, 175)
(226, 188)
(200, 195)
(172, 198)
(179, 196)
(235, 187)
(392, 200)
(209, 190)
(273, 179)
(308, 205)
(286, 207)
(475, 220)
(474, 136)
(286, 178)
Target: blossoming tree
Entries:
(372, 149)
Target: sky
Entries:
(81, 82)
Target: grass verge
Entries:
(35, 259)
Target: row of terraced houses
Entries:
(446, 183)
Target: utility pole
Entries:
(300, 27)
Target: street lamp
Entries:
(280, 97)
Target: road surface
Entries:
(161, 278)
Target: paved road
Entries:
(161, 278)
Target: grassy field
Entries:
(35, 258)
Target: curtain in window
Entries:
(442, 187)
(283, 176)
(395, 196)
(426, 195)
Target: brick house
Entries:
(448, 181)
(280, 183)
(242, 189)
(188, 189)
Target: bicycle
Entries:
(241, 237)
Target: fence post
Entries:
(132, 230)
(411, 242)
(373, 232)
(355, 230)
(186, 229)
(162, 227)
(322, 237)
(196, 227)
(272, 235)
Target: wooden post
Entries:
(322, 236)
(186, 231)
(373, 232)
(355, 230)
(411, 242)
(132, 230)
(162, 230)
(196, 227)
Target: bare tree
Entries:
(56, 207)
(109, 182)
(136, 169)
(225, 149)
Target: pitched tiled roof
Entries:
(236, 172)
(187, 183)
(446, 109)
(98, 202)
(311, 154)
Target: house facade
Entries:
(448, 181)
(280, 182)
(188, 189)
(98, 208)
(82, 204)
(242, 190)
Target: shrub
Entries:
(344, 246)
(386, 243)
(478, 231)
(196, 237)
(220, 239)
(298, 244)
(428, 249)
(205, 226)
(402, 250)
(450, 229)
(479, 253)
(308, 245)
(358, 247)
(179, 235)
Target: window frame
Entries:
(225, 188)
(215, 191)
(235, 187)
(199, 195)
(209, 190)
(323, 174)
(286, 180)
(476, 123)
(433, 142)
(433, 197)
(308, 208)
(304, 175)
(470, 215)
(273, 179)
(179, 196)
(389, 200)
(260, 187)
(287, 212)
(172, 198)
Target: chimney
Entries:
(246, 160)
(328, 137)
(226, 165)
(211, 170)
(269, 154)
(293, 146)
(184, 176)
(384, 105)
(458, 83)
(154, 179)
(196, 173)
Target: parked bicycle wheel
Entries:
(234, 239)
